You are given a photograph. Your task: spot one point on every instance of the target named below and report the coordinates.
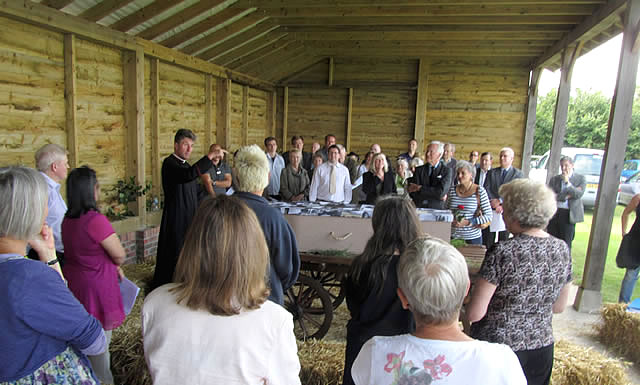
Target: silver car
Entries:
(628, 189)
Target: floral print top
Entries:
(409, 360)
(529, 273)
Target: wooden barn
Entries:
(112, 80)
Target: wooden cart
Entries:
(320, 289)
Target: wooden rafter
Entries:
(201, 27)
(434, 20)
(520, 9)
(224, 33)
(179, 18)
(238, 40)
(249, 48)
(103, 9)
(56, 4)
(144, 14)
(401, 3)
(265, 52)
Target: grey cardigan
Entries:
(576, 187)
(293, 183)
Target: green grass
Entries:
(612, 274)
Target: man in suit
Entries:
(569, 188)
(305, 162)
(431, 182)
(496, 177)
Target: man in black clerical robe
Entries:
(179, 182)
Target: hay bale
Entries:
(579, 365)
(321, 362)
(620, 330)
(127, 353)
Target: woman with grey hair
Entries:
(433, 282)
(46, 332)
(294, 180)
(403, 173)
(470, 204)
(379, 180)
(523, 280)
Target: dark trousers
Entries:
(33, 255)
(489, 238)
(537, 364)
(561, 227)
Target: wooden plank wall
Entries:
(32, 108)
(32, 104)
(467, 104)
(100, 111)
(477, 106)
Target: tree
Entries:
(544, 123)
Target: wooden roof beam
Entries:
(224, 33)
(608, 10)
(201, 27)
(247, 49)
(144, 14)
(238, 40)
(434, 10)
(103, 9)
(433, 28)
(401, 3)
(56, 4)
(433, 20)
(179, 18)
(426, 36)
(279, 47)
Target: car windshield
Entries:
(588, 164)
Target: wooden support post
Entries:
(133, 80)
(271, 112)
(70, 108)
(285, 117)
(331, 64)
(245, 115)
(349, 119)
(569, 56)
(155, 127)
(530, 125)
(223, 112)
(208, 112)
(589, 297)
(421, 103)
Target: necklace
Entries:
(466, 191)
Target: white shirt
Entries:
(184, 346)
(383, 359)
(275, 168)
(321, 183)
(57, 210)
(483, 176)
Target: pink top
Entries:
(92, 275)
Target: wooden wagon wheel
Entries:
(311, 307)
(332, 283)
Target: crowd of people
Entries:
(226, 258)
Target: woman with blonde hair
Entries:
(214, 323)
(379, 180)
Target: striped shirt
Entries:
(470, 205)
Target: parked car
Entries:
(629, 188)
(586, 161)
(629, 168)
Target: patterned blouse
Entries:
(529, 273)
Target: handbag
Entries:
(626, 258)
(479, 212)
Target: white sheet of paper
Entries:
(497, 223)
(129, 292)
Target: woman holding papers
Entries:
(46, 332)
(93, 255)
(523, 280)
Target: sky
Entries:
(594, 71)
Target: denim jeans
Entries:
(474, 241)
(628, 283)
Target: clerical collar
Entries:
(179, 158)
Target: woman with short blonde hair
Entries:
(216, 314)
(379, 180)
